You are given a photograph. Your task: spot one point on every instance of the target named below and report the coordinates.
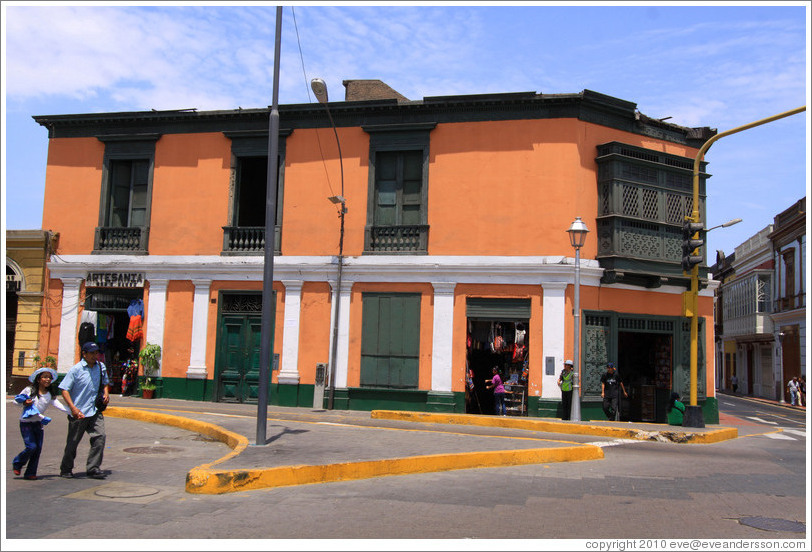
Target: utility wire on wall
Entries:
(307, 86)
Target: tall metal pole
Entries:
(693, 413)
(268, 303)
(575, 409)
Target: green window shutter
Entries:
(140, 188)
(398, 187)
(129, 192)
(390, 341)
(498, 309)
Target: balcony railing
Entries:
(248, 240)
(116, 239)
(397, 239)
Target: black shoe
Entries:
(66, 475)
(96, 474)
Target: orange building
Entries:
(455, 242)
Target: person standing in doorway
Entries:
(565, 383)
(734, 382)
(610, 392)
(498, 392)
(793, 387)
(80, 388)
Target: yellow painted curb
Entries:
(537, 424)
(235, 441)
(219, 482)
(205, 480)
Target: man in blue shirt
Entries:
(79, 390)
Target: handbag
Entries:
(100, 405)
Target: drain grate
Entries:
(774, 524)
(152, 450)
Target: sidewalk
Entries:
(311, 446)
(305, 446)
(759, 399)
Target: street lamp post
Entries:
(693, 412)
(320, 90)
(268, 303)
(577, 232)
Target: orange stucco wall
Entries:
(544, 171)
(310, 224)
(177, 348)
(314, 330)
(73, 192)
(190, 194)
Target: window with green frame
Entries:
(398, 188)
(397, 212)
(124, 211)
(390, 340)
(129, 184)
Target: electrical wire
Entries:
(307, 86)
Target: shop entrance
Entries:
(645, 366)
(106, 320)
(503, 344)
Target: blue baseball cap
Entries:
(90, 347)
(610, 364)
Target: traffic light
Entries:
(690, 244)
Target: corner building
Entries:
(456, 255)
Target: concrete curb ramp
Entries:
(205, 480)
(537, 424)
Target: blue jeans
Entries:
(32, 437)
(499, 399)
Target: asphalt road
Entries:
(753, 487)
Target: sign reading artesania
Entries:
(115, 279)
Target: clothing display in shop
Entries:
(135, 330)
(106, 328)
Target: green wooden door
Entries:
(390, 340)
(238, 358)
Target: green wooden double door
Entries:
(390, 340)
(237, 364)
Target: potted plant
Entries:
(149, 357)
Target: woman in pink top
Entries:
(498, 392)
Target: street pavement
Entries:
(155, 448)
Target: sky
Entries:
(721, 65)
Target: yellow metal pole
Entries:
(694, 301)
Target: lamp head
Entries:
(319, 89)
(578, 232)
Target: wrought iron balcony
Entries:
(397, 239)
(116, 239)
(248, 240)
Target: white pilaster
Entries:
(554, 333)
(442, 336)
(156, 312)
(343, 345)
(200, 324)
(67, 328)
(289, 371)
